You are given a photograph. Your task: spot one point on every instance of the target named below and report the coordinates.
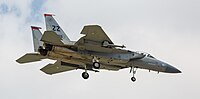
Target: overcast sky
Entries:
(168, 29)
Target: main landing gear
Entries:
(96, 64)
(133, 69)
(85, 75)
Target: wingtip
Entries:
(35, 28)
(48, 14)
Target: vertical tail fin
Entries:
(36, 37)
(52, 25)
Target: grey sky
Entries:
(168, 29)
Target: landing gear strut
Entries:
(134, 71)
(96, 64)
(85, 75)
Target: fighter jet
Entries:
(92, 52)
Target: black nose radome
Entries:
(171, 69)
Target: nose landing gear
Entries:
(133, 79)
(134, 72)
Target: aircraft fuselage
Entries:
(118, 59)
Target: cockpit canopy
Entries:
(146, 54)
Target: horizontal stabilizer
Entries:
(56, 68)
(30, 57)
(51, 37)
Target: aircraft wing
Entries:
(58, 67)
(94, 35)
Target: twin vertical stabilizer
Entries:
(36, 37)
(52, 25)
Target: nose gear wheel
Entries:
(133, 70)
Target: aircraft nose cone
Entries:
(171, 69)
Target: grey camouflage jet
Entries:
(92, 52)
